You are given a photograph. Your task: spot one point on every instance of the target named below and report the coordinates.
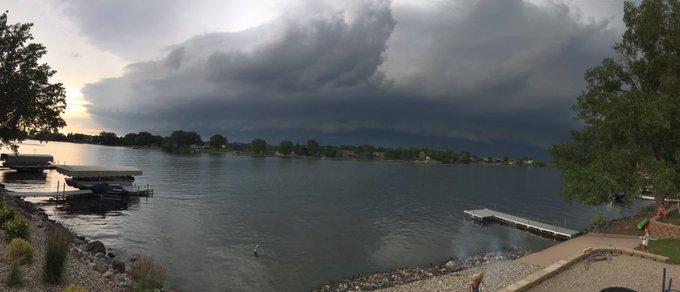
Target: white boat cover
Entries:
(97, 170)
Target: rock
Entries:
(450, 265)
(119, 277)
(110, 255)
(99, 267)
(118, 266)
(100, 255)
(95, 247)
(108, 275)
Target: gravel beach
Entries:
(78, 269)
(496, 276)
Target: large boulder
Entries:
(95, 247)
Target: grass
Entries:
(666, 247)
(672, 218)
(598, 218)
(58, 243)
(147, 274)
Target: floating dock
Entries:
(484, 215)
(120, 192)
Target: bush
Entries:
(15, 276)
(598, 218)
(18, 252)
(2, 202)
(16, 228)
(6, 214)
(74, 288)
(58, 243)
(147, 274)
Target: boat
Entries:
(27, 162)
(108, 180)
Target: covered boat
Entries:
(95, 176)
(23, 162)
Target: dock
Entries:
(65, 194)
(484, 215)
(119, 191)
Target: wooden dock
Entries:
(122, 191)
(484, 215)
(65, 194)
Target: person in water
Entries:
(477, 281)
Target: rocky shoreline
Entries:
(401, 276)
(88, 264)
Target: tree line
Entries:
(188, 141)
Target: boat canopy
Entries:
(97, 170)
(26, 158)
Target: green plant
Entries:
(15, 276)
(2, 202)
(16, 228)
(74, 288)
(146, 274)
(58, 242)
(598, 218)
(6, 214)
(18, 251)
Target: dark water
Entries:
(315, 220)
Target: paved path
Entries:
(576, 246)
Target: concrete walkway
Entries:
(576, 246)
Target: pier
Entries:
(115, 192)
(484, 215)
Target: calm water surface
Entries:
(315, 220)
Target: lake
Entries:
(314, 220)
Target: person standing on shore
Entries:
(645, 240)
(477, 281)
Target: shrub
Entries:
(18, 252)
(15, 276)
(147, 274)
(74, 288)
(16, 228)
(58, 243)
(6, 214)
(2, 202)
(598, 218)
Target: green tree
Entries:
(181, 141)
(285, 147)
(631, 113)
(313, 147)
(217, 141)
(29, 104)
(258, 146)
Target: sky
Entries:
(491, 77)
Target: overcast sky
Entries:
(492, 77)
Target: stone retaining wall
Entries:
(663, 230)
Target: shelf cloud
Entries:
(455, 74)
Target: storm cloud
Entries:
(453, 74)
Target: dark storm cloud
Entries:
(486, 72)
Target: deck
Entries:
(523, 223)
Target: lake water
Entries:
(315, 220)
